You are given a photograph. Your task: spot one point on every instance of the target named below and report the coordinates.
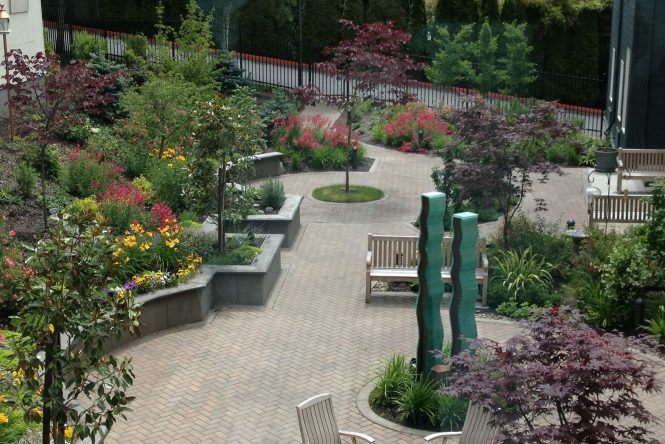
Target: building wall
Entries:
(26, 27)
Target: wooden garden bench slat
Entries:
(639, 164)
(619, 209)
(395, 259)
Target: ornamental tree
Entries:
(560, 381)
(501, 158)
(49, 98)
(227, 132)
(371, 65)
(66, 314)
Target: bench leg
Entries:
(368, 289)
(620, 181)
(484, 293)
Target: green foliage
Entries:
(83, 209)
(51, 159)
(452, 412)
(453, 64)
(102, 67)
(517, 72)
(516, 310)
(227, 73)
(526, 276)
(487, 77)
(168, 178)
(243, 254)
(77, 131)
(656, 325)
(136, 45)
(392, 380)
(418, 405)
(145, 186)
(26, 178)
(279, 106)
(271, 194)
(86, 44)
(68, 294)
(654, 228)
(194, 39)
(86, 174)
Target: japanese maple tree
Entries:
(48, 97)
(371, 66)
(501, 158)
(560, 381)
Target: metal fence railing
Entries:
(291, 72)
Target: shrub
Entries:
(547, 382)
(167, 176)
(236, 255)
(83, 209)
(656, 325)
(414, 128)
(77, 131)
(451, 412)
(392, 380)
(122, 204)
(51, 159)
(280, 106)
(418, 405)
(227, 73)
(86, 44)
(103, 67)
(145, 186)
(317, 142)
(88, 174)
(523, 274)
(271, 194)
(26, 178)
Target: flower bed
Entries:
(315, 144)
(412, 128)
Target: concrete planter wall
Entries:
(215, 285)
(285, 222)
(267, 165)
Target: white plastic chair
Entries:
(476, 430)
(316, 419)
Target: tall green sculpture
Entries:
(465, 287)
(428, 304)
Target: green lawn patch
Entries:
(357, 193)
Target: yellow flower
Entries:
(172, 242)
(3, 399)
(129, 241)
(69, 432)
(38, 411)
(117, 252)
(144, 246)
(149, 234)
(51, 328)
(170, 165)
(4, 419)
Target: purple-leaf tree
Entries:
(560, 381)
(48, 97)
(501, 158)
(371, 66)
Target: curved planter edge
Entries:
(215, 285)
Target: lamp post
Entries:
(4, 30)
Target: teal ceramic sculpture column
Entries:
(465, 287)
(428, 304)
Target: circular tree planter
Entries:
(356, 194)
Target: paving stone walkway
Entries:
(238, 377)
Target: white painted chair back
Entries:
(316, 419)
(477, 429)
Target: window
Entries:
(612, 68)
(624, 101)
(620, 91)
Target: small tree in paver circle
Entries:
(560, 381)
(371, 65)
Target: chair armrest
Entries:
(369, 260)
(620, 163)
(444, 435)
(362, 436)
(484, 261)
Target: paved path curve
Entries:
(238, 378)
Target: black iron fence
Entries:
(579, 99)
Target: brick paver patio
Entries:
(238, 378)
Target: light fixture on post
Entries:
(4, 30)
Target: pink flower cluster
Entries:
(404, 131)
(119, 192)
(298, 133)
(161, 215)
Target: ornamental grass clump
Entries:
(560, 381)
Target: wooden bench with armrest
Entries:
(639, 164)
(395, 259)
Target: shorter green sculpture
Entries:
(428, 304)
(463, 274)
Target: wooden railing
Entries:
(632, 209)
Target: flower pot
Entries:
(606, 159)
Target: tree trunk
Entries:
(350, 147)
(221, 188)
(42, 171)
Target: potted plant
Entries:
(606, 159)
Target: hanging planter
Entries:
(606, 159)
